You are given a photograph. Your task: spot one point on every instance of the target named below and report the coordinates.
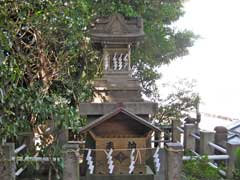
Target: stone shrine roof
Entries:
(117, 29)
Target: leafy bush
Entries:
(198, 169)
(236, 173)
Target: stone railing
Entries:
(9, 158)
(212, 144)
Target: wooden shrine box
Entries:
(120, 130)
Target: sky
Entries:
(214, 60)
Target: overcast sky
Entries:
(214, 61)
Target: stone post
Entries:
(221, 140)
(29, 141)
(71, 162)
(174, 162)
(176, 134)
(221, 136)
(63, 136)
(205, 137)
(189, 141)
(7, 162)
(231, 151)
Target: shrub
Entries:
(199, 169)
(236, 173)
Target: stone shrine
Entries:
(118, 117)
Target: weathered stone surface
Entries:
(115, 36)
(7, 163)
(139, 108)
(176, 134)
(63, 136)
(116, 80)
(116, 28)
(221, 135)
(189, 141)
(71, 162)
(231, 151)
(173, 168)
(117, 89)
(148, 176)
(206, 137)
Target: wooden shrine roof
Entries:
(114, 113)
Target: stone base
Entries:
(148, 176)
(121, 177)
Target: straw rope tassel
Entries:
(138, 155)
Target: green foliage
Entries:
(237, 162)
(45, 51)
(198, 169)
(47, 63)
(236, 173)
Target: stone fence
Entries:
(213, 144)
(201, 143)
(9, 159)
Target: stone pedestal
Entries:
(71, 162)
(7, 163)
(174, 162)
(149, 176)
